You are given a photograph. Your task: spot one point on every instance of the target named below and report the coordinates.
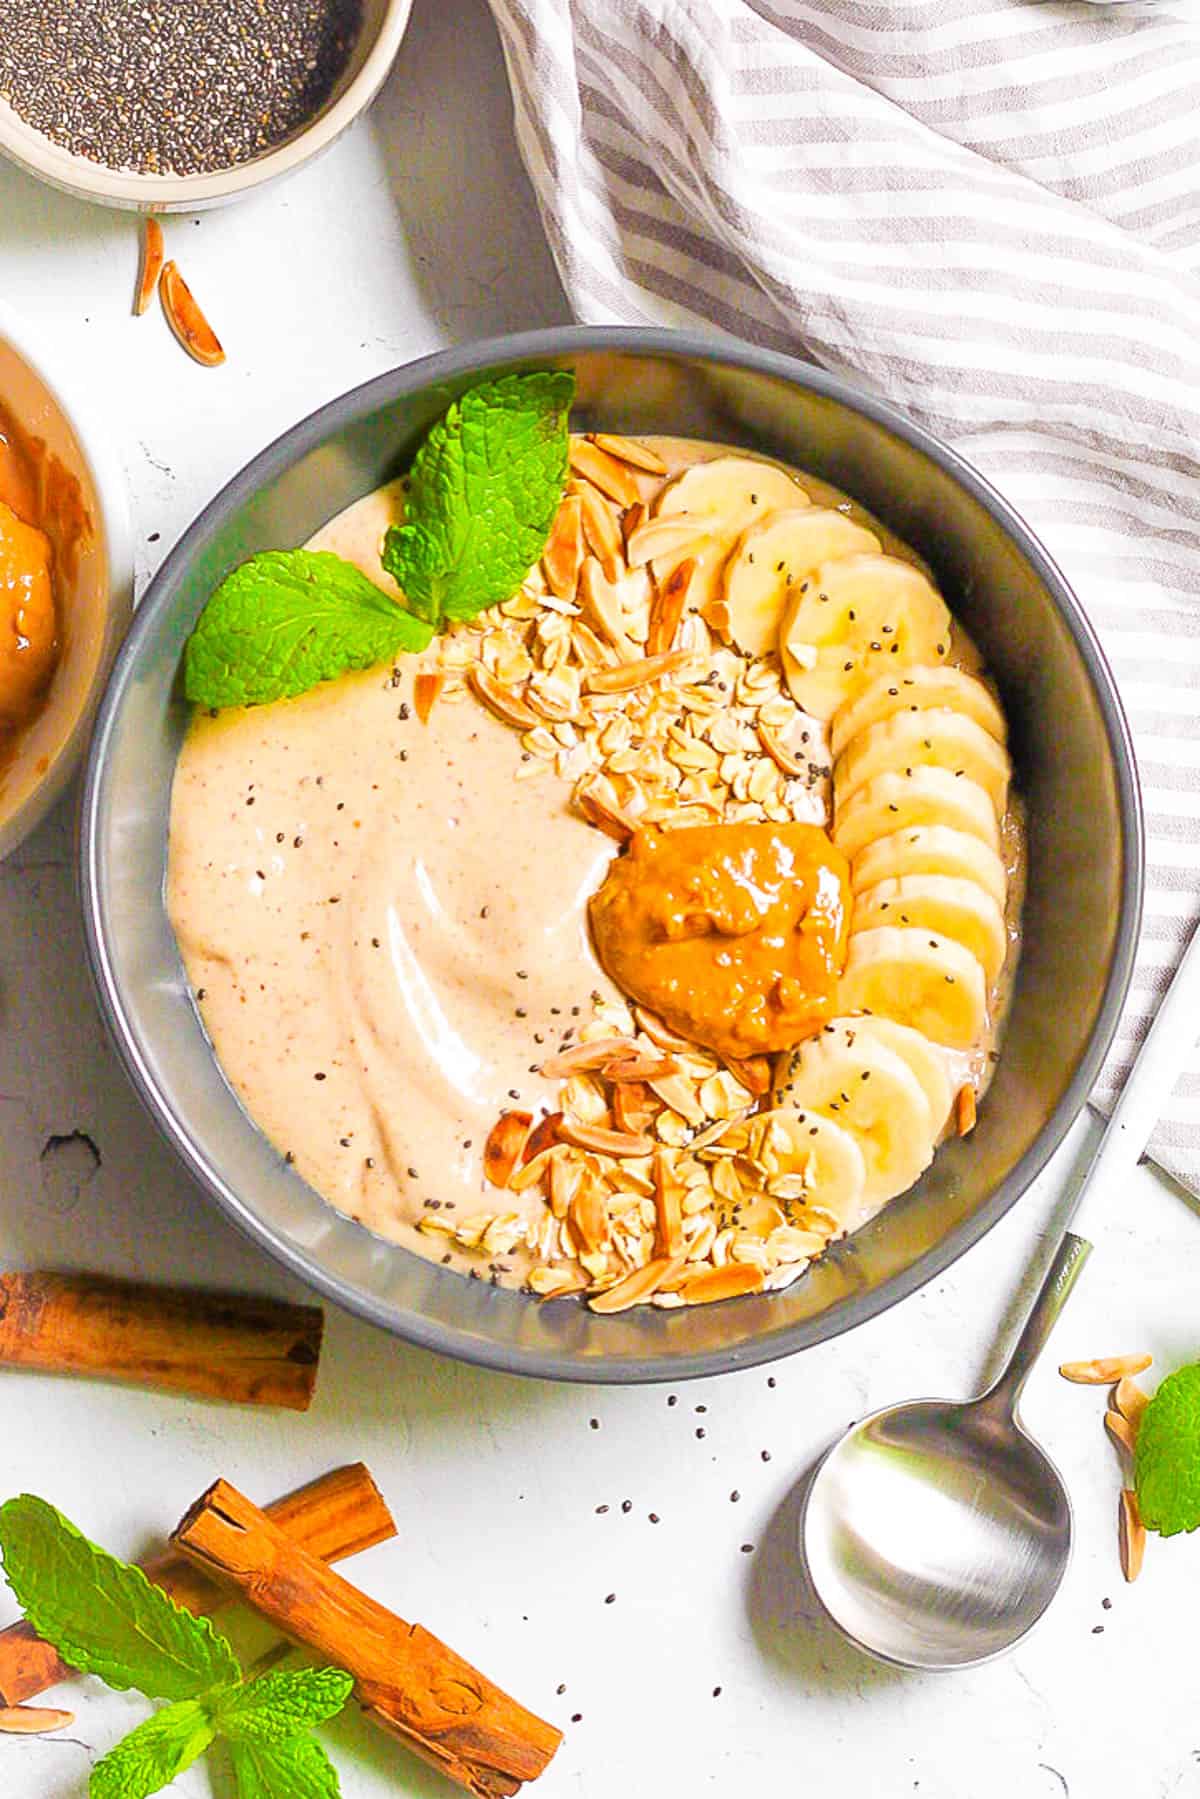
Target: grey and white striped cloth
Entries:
(988, 210)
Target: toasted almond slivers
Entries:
(186, 319)
(32, 1720)
(1131, 1534)
(149, 265)
(509, 707)
(636, 674)
(604, 815)
(1130, 1400)
(532, 1170)
(600, 598)
(666, 609)
(604, 1142)
(586, 1058)
(565, 1175)
(562, 557)
(751, 1072)
(506, 1140)
(628, 449)
(1105, 1370)
(661, 1033)
(964, 1110)
(636, 1286)
(780, 755)
(1121, 1431)
(712, 1284)
(604, 471)
(631, 518)
(601, 531)
(640, 1068)
(548, 1283)
(426, 688)
(633, 1107)
(544, 1135)
(668, 1205)
(716, 1131)
(588, 1217)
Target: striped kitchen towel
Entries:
(987, 210)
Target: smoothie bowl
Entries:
(658, 961)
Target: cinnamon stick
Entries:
(409, 1683)
(247, 1350)
(337, 1515)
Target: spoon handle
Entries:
(1053, 1295)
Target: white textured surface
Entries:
(378, 254)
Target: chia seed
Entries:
(179, 87)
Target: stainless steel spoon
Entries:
(937, 1532)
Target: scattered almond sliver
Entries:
(502, 1151)
(186, 319)
(964, 1111)
(149, 265)
(1131, 1534)
(1105, 1371)
(1122, 1432)
(32, 1720)
(1130, 1400)
(426, 688)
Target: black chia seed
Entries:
(180, 87)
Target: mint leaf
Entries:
(103, 1616)
(150, 1757)
(296, 1770)
(280, 1706)
(1167, 1463)
(288, 619)
(482, 496)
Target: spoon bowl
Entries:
(936, 1533)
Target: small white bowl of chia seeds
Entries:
(178, 105)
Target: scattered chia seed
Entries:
(178, 87)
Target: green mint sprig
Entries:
(105, 1618)
(1167, 1461)
(482, 497)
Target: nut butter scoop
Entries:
(734, 934)
(28, 622)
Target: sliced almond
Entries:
(426, 688)
(643, 1067)
(780, 755)
(532, 1170)
(1121, 1432)
(636, 674)
(600, 599)
(549, 1283)
(1130, 1400)
(1104, 1371)
(543, 1135)
(604, 471)
(668, 1205)
(186, 319)
(631, 518)
(565, 1176)
(600, 811)
(680, 1094)
(149, 265)
(634, 1107)
(715, 1132)
(627, 449)
(605, 1142)
(562, 557)
(592, 650)
(964, 1110)
(587, 1215)
(752, 1072)
(1131, 1534)
(729, 1282)
(32, 1720)
(509, 707)
(601, 530)
(636, 1286)
(584, 1058)
(661, 1033)
(666, 609)
(506, 1140)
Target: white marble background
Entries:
(381, 252)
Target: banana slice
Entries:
(871, 1092)
(938, 903)
(917, 688)
(937, 737)
(929, 796)
(919, 979)
(826, 1156)
(929, 850)
(852, 619)
(772, 557)
(730, 485)
(927, 1062)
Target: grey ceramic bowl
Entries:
(1073, 760)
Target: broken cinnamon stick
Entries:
(337, 1515)
(409, 1683)
(229, 1346)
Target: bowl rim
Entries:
(79, 176)
(563, 341)
(100, 457)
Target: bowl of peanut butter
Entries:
(612, 857)
(65, 577)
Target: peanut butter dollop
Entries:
(734, 934)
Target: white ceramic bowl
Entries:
(94, 601)
(383, 27)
